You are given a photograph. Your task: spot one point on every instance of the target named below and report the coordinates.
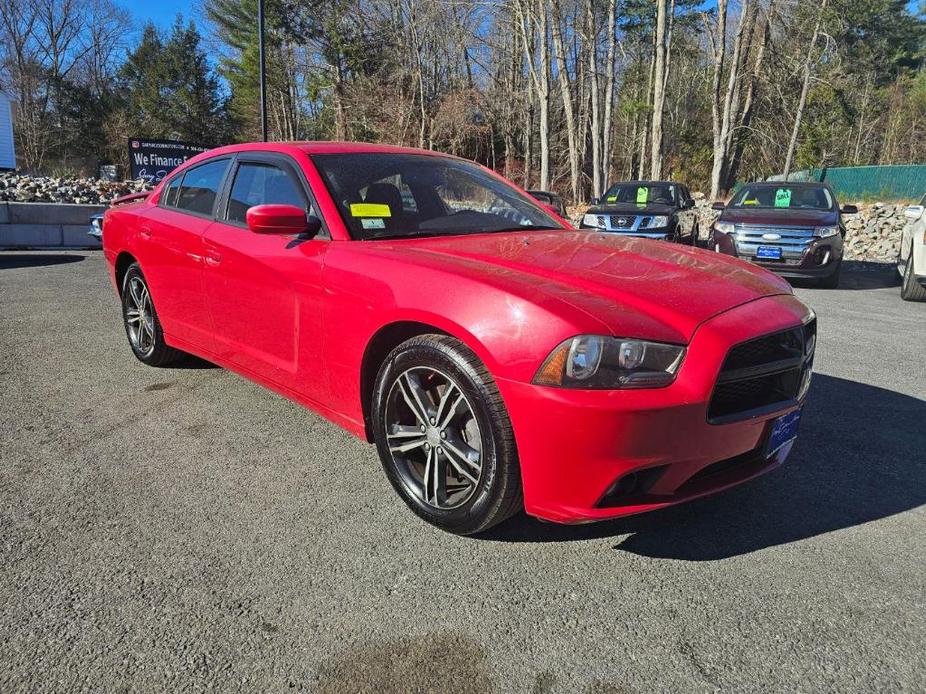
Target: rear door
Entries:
(170, 249)
(263, 291)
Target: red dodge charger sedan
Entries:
(497, 357)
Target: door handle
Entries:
(213, 257)
(145, 233)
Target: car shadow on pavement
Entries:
(859, 458)
(862, 274)
(12, 261)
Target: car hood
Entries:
(636, 287)
(630, 208)
(785, 217)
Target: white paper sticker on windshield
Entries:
(372, 223)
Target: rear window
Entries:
(169, 197)
(200, 187)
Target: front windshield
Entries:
(641, 193)
(382, 195)
(783, 196)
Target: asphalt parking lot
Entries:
(184, 529)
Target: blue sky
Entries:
(161, 12)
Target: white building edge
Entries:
(7, 145)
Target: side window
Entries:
(261, 184)
(169, 197)
(201, 186)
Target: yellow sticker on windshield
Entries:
(642, 195)
(783, 197)
(369, 209)
(612, 198)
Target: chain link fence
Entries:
(895, 182)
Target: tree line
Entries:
(566, 95)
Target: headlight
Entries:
(594, 220)
(660, 221)
(597, 362)
(724, 227)
(824, 232)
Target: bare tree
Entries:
(805, 86)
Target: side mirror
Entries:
(281, 219)
(689, 203)
(549, 208)
(849, 209)
(913, 212)
(594, 201)
(718, 206)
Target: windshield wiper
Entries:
(402, 235)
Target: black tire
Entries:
(832, 281)
(150, 348)
(437, 364)
(695, 233)
(911, 289)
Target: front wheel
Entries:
(444, 437)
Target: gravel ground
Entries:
(185, 530)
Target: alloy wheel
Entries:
(433, 437)
(139, 316)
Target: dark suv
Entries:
(792, 229)
(650, 209)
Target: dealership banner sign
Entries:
(152, 160)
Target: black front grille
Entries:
(622, 221)
(763, 374)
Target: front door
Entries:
(264, 290)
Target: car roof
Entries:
(322, 147)
(790, 184)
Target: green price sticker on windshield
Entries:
(642, 195)
(783, 197)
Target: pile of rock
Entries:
(88, 191)
(875, 232)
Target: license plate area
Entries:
(768, 252)
(782, 431)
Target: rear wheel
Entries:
(444, 437)
(142, 326)
(911, 289)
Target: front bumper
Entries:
(658, 233)
(576, 446)
(818, 259)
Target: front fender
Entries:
(511, 332)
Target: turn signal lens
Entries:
(597, 362)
